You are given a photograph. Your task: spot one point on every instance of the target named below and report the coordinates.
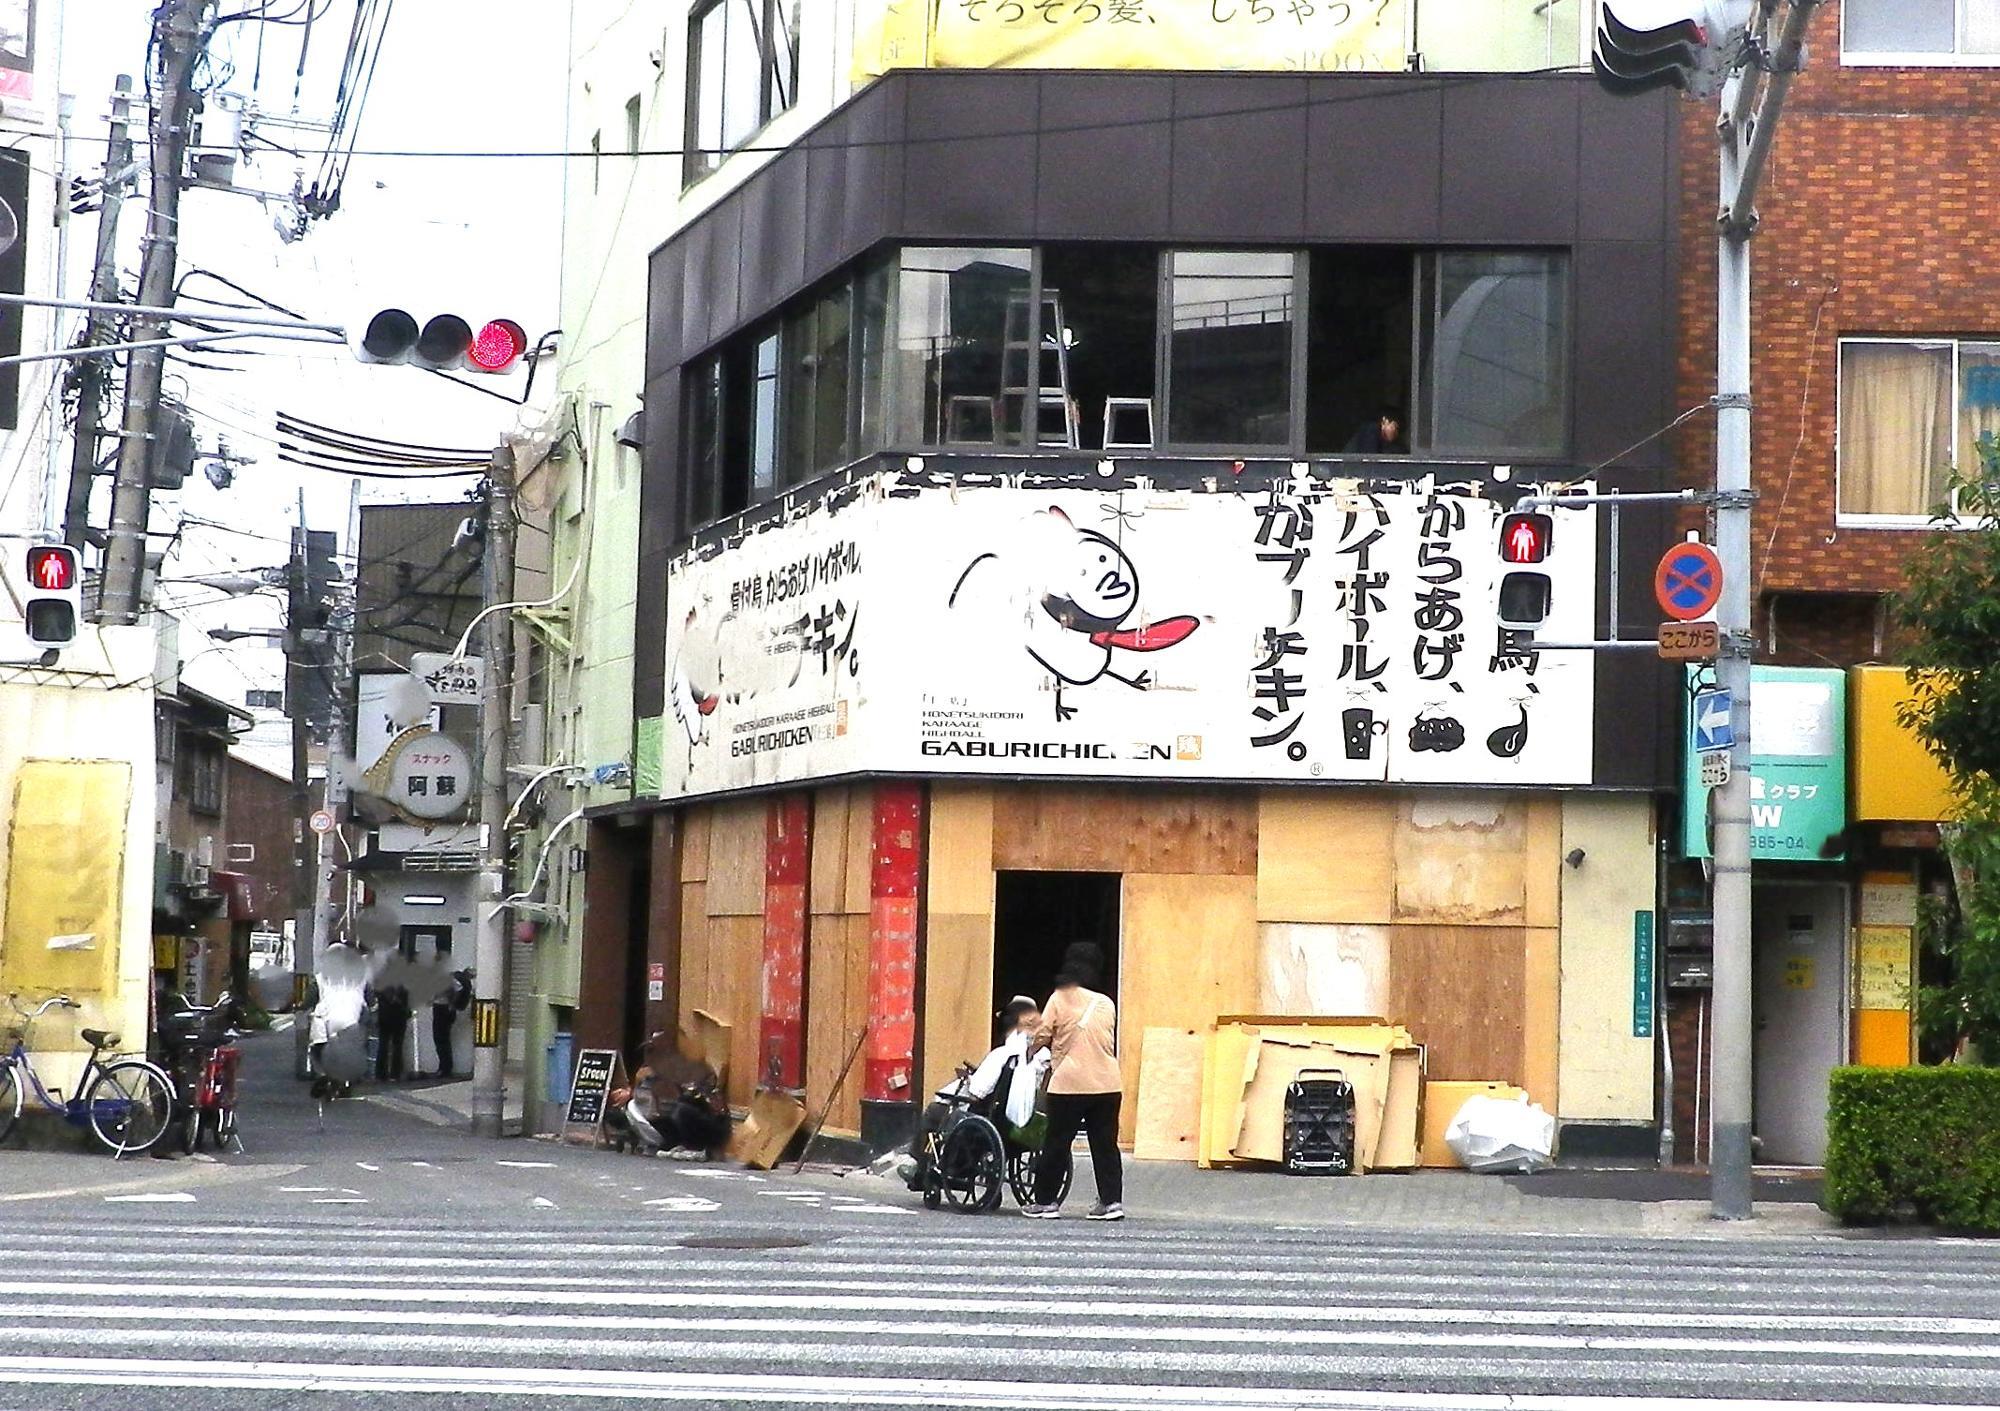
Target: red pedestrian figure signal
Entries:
(1524, 538)
(52, 569)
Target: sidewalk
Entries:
(1556, 1202)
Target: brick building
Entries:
(1875, 347)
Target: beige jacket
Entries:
(1080, 1029)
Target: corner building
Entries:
(1015, 567)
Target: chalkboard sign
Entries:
(594, 1069)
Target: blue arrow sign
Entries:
(1712, 727)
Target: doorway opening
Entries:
(1037, 914)
(638, 949)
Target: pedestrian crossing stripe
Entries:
(486, 1023)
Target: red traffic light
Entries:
(497, 347)
(52, 568)
(1524, 538)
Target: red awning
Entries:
(235, 887)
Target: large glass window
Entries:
(1358, 343)
(1906, 409)
(1100, 344)
(1230, 369)
(1920, 31)
(743, 70)
(874, 296)
(1494, 353)
(955, 312)
(764, 359)
(813, 383)
(704, 441)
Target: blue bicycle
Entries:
(127, 1103)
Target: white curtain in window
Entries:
(1895, 427)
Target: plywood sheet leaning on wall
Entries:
(1402, 1112)
(1170, 1086)
(762, 1139)
(1261, 1130)
(1228, 1051)
(1442, 1099)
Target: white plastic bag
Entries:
(1493, 1135)
(1025, 1087)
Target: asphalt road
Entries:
(386, 1262)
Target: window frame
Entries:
(1424, 283)
(1842, 519)
(1884, 59)
(1293, 446)
(695, 162)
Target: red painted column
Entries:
(787, 869)
(888, 1071)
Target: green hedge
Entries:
(1915, 1143)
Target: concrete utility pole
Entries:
(93, 375)
(305, 842)
(489, 987)
(1746, 129)
(177, 41)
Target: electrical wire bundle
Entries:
(318, 447)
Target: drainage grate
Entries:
(744, 1242)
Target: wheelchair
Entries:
(971, 1158)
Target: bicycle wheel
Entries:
(974, 1166)
(10, 1098)
(131, 1106)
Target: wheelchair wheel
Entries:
(1021, 1176)
(972, 1169)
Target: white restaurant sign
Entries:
(1312, 631)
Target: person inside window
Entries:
(1381, 437)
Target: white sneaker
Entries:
(1042, 1212)
(1100, 1211)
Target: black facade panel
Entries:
(873, 125)
(1624, 327)
(696, 299)
(664, 292)
(774, 240)
(1625, 165)
(1239, 159)
(969, 167)
(1509, 163)
(825, 208)
(1372, 160)
(1104, 170)
(723, 266)
(659, 514)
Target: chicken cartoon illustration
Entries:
(1074, 590)
(695, 689)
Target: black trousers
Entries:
(1070, 1113)
(389, 1050)
(442, 1018)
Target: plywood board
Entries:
(1461, 989)
(1442, 1099)
(735, 983)
(1459, 859)
(958, 994)
(1541, 1015)
(711, 1040)
(1117, 828)
(695, 823)
(1192, 943)
(1170, 1084)
(695, 946)
(1320, 968)
(1325, 855)
(761, 1140)
(1541, 862)
(1229, 1049)
(960, 862)
(736, 859)
(829, 851)
(836, 1012)
(860, 899)
(1402, 1109)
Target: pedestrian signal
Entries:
(54, 605)
(1525, 538)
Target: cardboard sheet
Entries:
(1171, 1064)
(1442, 1099)
(760, 1142)
(1396, 1148)
(1229, 1049)
(711, 1041)
(1261, 1132)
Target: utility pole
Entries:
(93, 375)
(1746, 129)
(177, 41)
(490, 982)
(340, 734)
(305, 842)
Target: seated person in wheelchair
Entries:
(1009, 1060)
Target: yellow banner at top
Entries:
(1299, 36)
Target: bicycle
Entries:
(203, 1064)
(128, 1103)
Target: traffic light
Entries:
(1525, 538)
(55, 595)
(444, 343)
(1646, 44)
